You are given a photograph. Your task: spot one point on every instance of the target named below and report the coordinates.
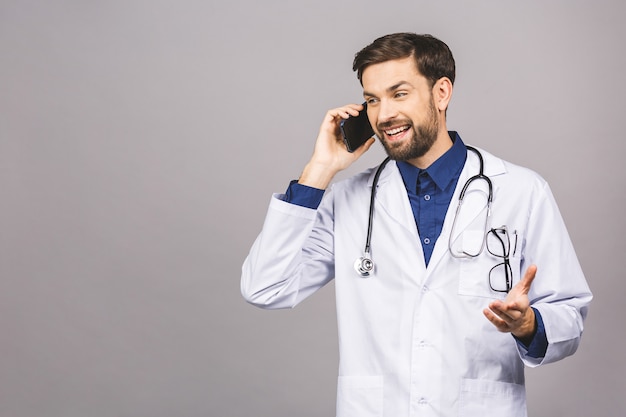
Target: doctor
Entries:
(459, 300)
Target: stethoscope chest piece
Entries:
(364, 266)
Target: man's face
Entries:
(400, 108)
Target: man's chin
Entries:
(404, 152)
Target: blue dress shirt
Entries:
(430, 191)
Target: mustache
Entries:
(393, 123)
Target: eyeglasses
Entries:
(499, 245)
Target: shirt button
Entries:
(422, 401)
(424, 288)
(427, 241)
(426, 197)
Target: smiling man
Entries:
(459, 300)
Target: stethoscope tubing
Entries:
(364, 265)
(370, 219)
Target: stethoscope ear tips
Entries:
(364, 266)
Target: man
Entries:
(460, 299)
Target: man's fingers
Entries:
(345, 111)
(505, 311)
(528, 279)
(497, 321)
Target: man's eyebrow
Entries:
(397, 86)
(389, 89)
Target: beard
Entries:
(424, 136)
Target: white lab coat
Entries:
(413, 339)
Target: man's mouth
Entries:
(397, 130)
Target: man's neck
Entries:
(441, 146)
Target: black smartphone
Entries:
(356, 130)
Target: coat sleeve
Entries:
(292, 257)
(559, 291)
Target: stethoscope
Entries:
(364, 265)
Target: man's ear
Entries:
(442, 93)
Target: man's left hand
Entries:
(513, 314)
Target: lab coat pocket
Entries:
(474, 279)
(481, 398)
(482, 275)
(360, 396)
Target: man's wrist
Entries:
(527, 332)
(316, 175)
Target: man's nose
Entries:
(387, 111)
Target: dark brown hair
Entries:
(433, 57)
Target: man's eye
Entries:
(371, 101)
(400, 94)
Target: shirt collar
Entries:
(443, 171)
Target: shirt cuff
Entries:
(539, 344)
(303, 195)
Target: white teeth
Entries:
(396, 131)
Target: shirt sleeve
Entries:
(539, 345)
(303, 195)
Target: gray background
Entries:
(140, 144)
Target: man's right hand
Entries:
(330, 154)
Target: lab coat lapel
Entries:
(392, 201)
(392, 198)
